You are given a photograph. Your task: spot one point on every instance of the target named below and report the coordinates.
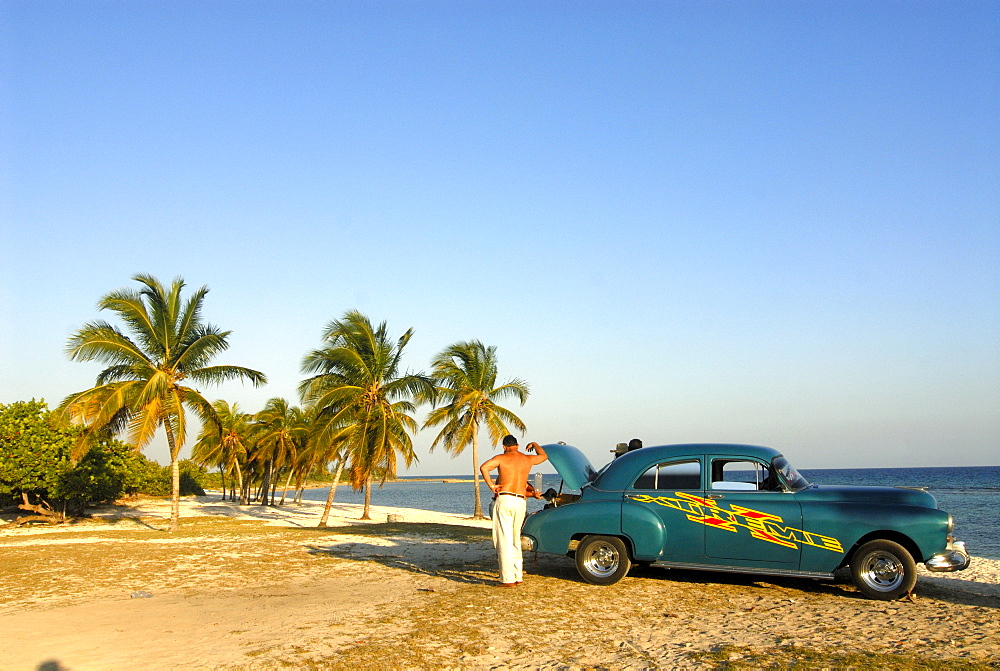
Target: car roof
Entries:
(620, 473)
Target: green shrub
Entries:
(192, 475)
(34, 454)
(156, 479)
(35, 459)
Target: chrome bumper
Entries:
(954, 558)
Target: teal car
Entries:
(741, 509)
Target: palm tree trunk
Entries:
(333, 492)
(175, 479)
(368, 498)
(299, 488)
(303, 473)
(478, 513)
(288, 481)
(265, 486)
(239, 477)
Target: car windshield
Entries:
(789, 474)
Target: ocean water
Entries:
(970, 494)
(438, 493)
(432, 493)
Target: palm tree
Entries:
(327, 444)
(466, 377)
(224, 442)
(311, 453)
(144, 387)
(301, 459)
(358, 388)
(279, 430)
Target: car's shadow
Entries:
(469, 558)
(959, 592)
(839, 587)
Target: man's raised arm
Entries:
(539, 451)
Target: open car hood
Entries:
(571, 464)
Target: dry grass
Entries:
(453, 616)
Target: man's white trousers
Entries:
(508, 516)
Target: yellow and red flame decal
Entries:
(762, 526)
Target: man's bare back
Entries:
(514, 467)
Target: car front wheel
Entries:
(883, 570)
(602, 560)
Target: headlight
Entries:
(527, 543)
(951, 524)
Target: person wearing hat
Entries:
(511, 487)
(622, 448)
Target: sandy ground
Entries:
(227, 591)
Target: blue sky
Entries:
(766, 222)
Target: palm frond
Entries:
(99, 341)
(143, 424)
(131, 308)
(220, 374)
(188, 321)
(199, 346)
(516, 389)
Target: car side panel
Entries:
(554, 528)
(658, 527)
(753, 526)
(835, 528)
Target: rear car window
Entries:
(671, 475)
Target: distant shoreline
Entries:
(445, 480)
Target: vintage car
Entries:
(736, 508)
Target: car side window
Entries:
(742, 475)
(671, 475)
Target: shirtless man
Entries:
(508, 512)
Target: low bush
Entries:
(36, 460)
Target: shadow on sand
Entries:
(467, 556)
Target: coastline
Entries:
(303, 514)
(345, 483)
(259, 587)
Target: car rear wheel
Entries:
(602, 560)
(883, 570)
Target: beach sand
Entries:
(261, 587)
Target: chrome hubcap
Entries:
(601, 560)
(882, 571)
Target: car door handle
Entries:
(716, 496)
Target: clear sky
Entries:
(762, 222)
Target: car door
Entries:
(751, 519)
(656, 510)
